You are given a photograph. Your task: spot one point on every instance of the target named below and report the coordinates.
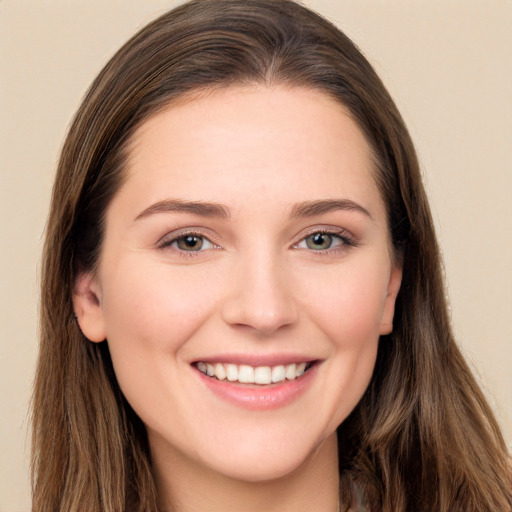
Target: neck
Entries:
(187, 487)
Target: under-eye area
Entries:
(261, 375)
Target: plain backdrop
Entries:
(446, 63)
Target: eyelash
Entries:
(345, 239)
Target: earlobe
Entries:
(88, 307)
(395, 280)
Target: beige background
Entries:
(447, 64)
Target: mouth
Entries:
(259, 375)
(247, 382)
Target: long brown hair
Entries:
(422, 438)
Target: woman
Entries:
(242, 301)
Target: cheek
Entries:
(151, 311)
(349, 315)
(154, 307)
(349, 305)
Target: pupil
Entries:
(191, 241)
(319, 239)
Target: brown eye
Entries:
(319, 241)
(186, 244)
(190, 243)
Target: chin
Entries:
(258, 471)
(264, 462)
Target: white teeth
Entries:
(300, 369)
(263, 375)
(278, 373)
(220, 372)
(232, 372)
(247, 374)
(290, 371)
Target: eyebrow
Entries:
(312, 208)
(204, 209)
(209, 209)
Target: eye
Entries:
(319, 241)
(323, 241)
(192, 243)
(187, 243)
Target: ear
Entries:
(395, 280)
(88, 307)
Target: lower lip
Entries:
(263, 397)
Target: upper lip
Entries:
(256, 359)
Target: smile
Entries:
(246, 374)
(257, 386)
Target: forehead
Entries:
(281, 142)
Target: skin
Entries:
(258, 286)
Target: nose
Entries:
(260, 297)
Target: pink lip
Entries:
(257, 397)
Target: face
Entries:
(244, 279)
